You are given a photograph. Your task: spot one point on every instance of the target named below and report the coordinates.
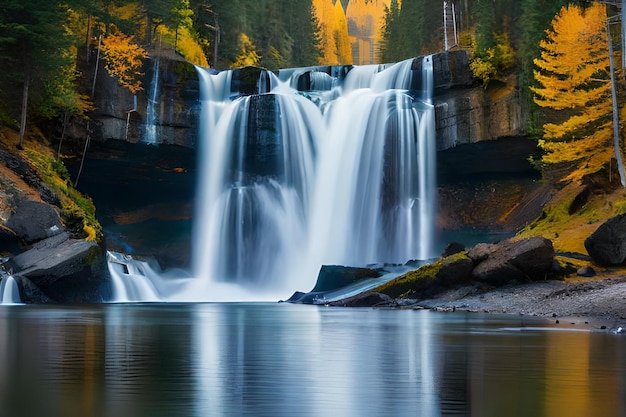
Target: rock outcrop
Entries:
(484, 264)
(607, 245)
(61, 269)
(512, 260)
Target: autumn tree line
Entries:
(45, 47)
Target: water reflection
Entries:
(285, 360)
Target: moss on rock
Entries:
(431, 278)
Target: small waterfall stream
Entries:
(313, 169)
(9, 292)
(150, 134)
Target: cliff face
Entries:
(465, 112)
(173, 107)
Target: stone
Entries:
(452, 248)
(607, 245)
(58, 257)
(512, 260)
(33, 221)
(332, 277)
(586, 271)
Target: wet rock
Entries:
(586, 271)
(607, 245)
(499, 264)
(332, 277)
(370, 299)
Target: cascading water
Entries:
(9, 292)
(291, 180)
(150, 134)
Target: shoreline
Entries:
(598, 303)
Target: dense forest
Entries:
(45, 45)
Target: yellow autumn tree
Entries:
(248, 56)
(574, 76)
(335, 42)
(124, 60)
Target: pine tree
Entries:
(573, 75)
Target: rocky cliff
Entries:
(465, 112)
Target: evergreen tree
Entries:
(390, 34)
(573, 75)
(33, 46)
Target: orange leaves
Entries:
(124, 59)
(573, 73)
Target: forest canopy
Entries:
(45, 49)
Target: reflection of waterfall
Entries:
(9, 292)
(292, 178)
(151, 109)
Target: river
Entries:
(271, 359)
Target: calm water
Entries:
(290, 360)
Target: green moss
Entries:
(77, 210)
(416, 281)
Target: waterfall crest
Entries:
(314, 168)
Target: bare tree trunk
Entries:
(24, 102)
(148, 29)
(616, 141)
(82, 159)
(66, 119)
(88, 37)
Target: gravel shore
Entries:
(599, 303)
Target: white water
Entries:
(150, 135)
(9, 293)
(287, 184)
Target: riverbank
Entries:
(597, 303)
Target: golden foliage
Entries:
(124, 60)
(573, 74)
(493, 61)
(336, 48)
(248, 56)
(190, 48)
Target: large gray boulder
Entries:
(512, 260)
(62, 270)
(607, 245)
(34, 221)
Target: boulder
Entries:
(586, 271)
(452, 248)
(332, 277)
(33, 221)
(512, 260)
(607, 245)
(63, 269)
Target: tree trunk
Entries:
(616, 141)
(24, 102)
(148, 29)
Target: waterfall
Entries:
(150, 135)
(312, 169)
(9, 292)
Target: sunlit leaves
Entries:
(573, 73)
(335, 43)
(124, 59)
(248, 56)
